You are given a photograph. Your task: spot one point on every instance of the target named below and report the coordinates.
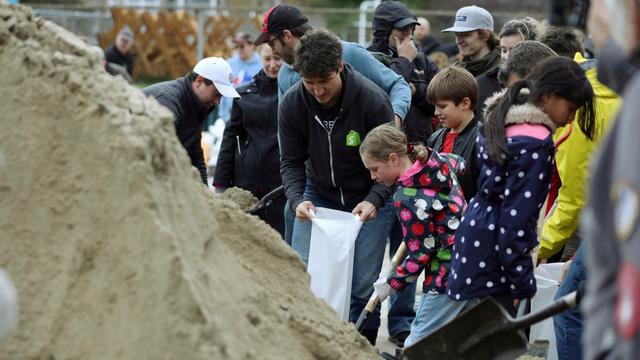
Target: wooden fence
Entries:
(166, 42)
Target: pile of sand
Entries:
(117, 250)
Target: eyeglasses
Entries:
(240, 46)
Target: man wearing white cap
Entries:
(191, 98)
(478, 45)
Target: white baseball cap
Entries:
(471, 18)
(219, 72)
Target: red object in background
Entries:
(627, 310)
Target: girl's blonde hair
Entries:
(386, 139)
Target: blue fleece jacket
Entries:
(364, 63)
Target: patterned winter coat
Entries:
(498, 229)
(429, 203)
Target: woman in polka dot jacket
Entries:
(429, 202)
(515, 154)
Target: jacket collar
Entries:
(200, 109)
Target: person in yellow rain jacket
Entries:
(573, 153)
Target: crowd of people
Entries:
(479, 164)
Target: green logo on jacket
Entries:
(353, 138)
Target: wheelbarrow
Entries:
(485, 332)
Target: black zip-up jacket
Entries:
(112, 55)
(336, 169)
(419, 72)
(249, 157)
(465, 146)
(189, 113)
(488, 85)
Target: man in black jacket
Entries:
(120, 51)
(323, 119)
(393, 45)
(191, 98)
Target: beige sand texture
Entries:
(117, 250)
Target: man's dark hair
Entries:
(523, 58)
(192, 76)
(319, 54)
(564, 41)
(298, 31)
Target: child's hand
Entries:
(382, 288)
(365, 210)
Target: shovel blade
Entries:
(480, 333)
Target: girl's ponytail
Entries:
(494, 123)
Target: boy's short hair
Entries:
(319, 54)
(564, 41)
(453, 83)
(523, 58)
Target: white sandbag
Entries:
(547, 276)
(333, 239)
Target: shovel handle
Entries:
(566, 302)
(373, 302)
(266, 200)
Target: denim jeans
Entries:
(401, 304)
(369, 251)
(289, 217)
(435, 310)
(568, 325)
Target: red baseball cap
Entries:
(278, 18)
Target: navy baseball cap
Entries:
(278, 18)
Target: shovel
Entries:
(485, 331)
(266, 200)
(373, 302)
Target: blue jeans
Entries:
(435, 310)
(568, 325)
(401, 304)
(289, 217)
(369, 251)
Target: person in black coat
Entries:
(191, 99)
(119, 52)
(249, 157)
(393, 26)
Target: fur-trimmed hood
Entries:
(526, 113)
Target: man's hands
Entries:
(406, 48)
(305, 210)
(365, 210)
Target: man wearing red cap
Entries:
(282, 28)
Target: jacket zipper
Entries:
(333, 178)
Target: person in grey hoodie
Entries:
(611, 306)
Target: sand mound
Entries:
(242, 197)
(116, 249)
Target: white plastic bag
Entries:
(333, 239)
(547, 277)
